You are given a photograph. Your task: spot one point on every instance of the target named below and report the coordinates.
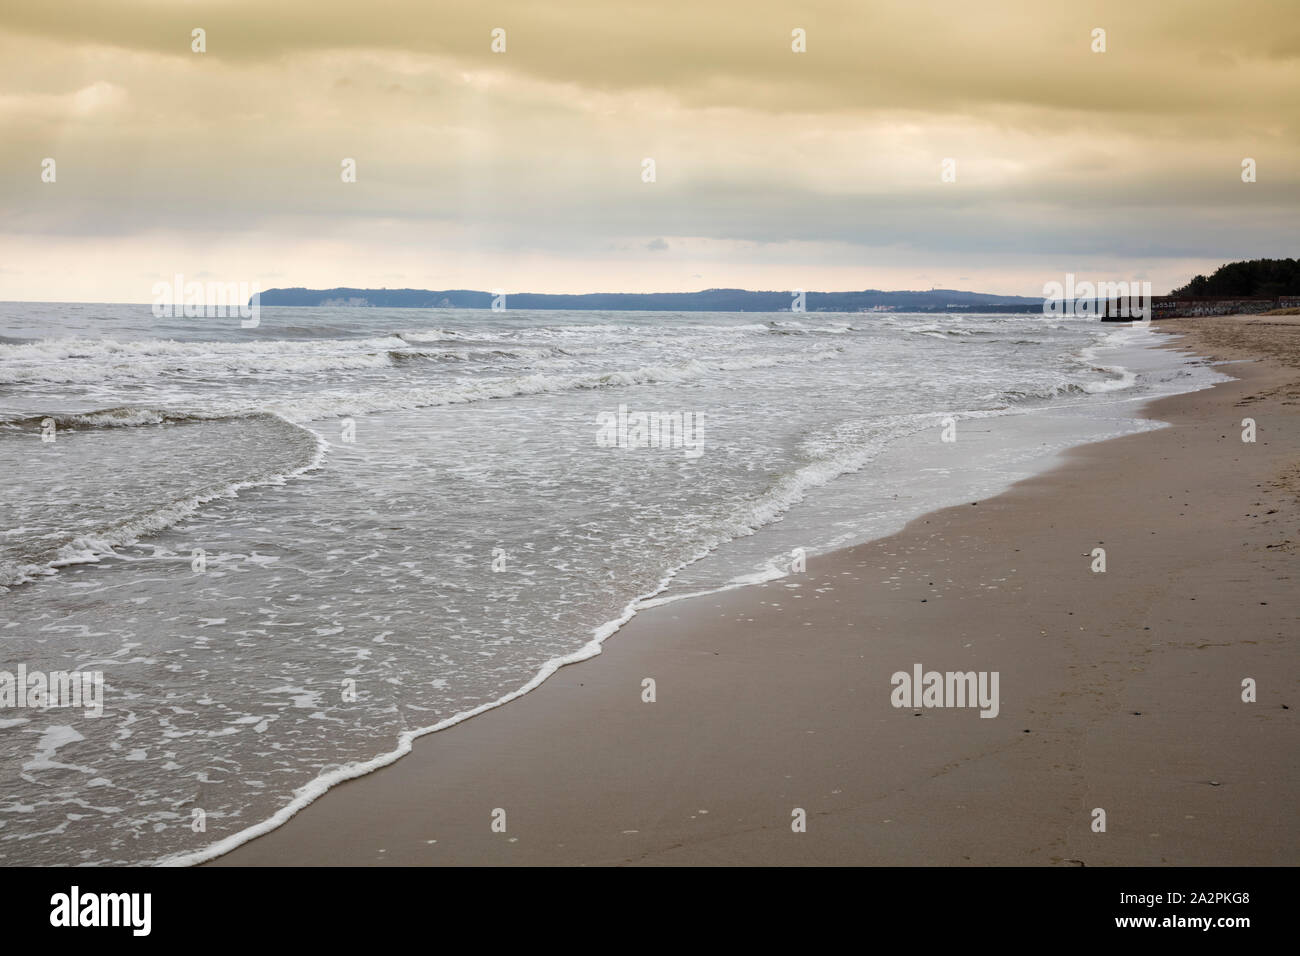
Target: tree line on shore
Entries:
(1251, 278)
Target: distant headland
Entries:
(709, 300)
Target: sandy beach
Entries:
(1119, 690)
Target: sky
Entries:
(525, 170)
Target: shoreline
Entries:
(866, 778)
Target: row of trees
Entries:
(1254, 277)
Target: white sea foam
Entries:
(333, 404)
(309, 792)
(1123, 378)
(101, 360)
(94, 547)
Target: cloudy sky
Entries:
(523, 170)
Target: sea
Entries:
(292, 549)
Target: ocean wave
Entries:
(1123, 378)
(90, 361)
(794, 327)
(947, 331)
(429, 335)
(124, 417)
(94, 546)
(527, 353)
(1020, 396)
(793, 486)
(330, 404)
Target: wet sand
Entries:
(1119, 690)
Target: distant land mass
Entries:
(710, 300)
